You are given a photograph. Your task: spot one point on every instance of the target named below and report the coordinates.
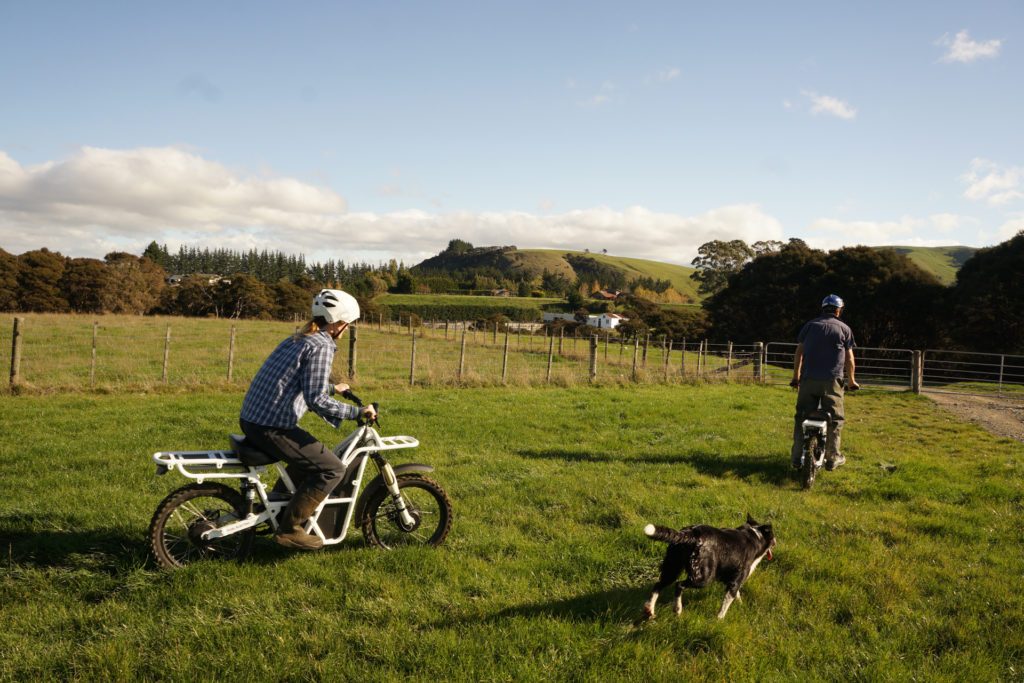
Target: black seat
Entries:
(247, 453)
(819, 415)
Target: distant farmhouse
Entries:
(605, 321)
(210, 278)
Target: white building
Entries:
(605, 321)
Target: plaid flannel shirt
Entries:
(294, 378)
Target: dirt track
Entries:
(1000, 417)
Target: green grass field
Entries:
(903, 565)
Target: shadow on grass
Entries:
(111, 552)
(621, 606)
(104, 551)
(772, 468)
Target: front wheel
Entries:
(175, 533)
(426, 501)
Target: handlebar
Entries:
(347, 394)
(846, 385)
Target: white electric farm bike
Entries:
(209, 519)
(814, 428)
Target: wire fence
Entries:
(125, 352)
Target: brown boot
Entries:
(290, 532)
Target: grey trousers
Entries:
(321, 468)
(826, 394)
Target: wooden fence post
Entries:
(759, 362)
(593, 358)
(682, 358)
(412, 360)
(16, 352)
(462, 354)
(636, 350)
(92, 363)
(504, 359)
(231, 355)
(728, 366)
(353, 352)
(551, 356)
(915, 373)
(668, 353)
(167, 350)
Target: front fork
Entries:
(391, 482)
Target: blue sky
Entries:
(367, 131)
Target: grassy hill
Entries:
(679, 276)
(511, 260)
(943, 262)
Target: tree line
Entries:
(761, 292)
(890, 301)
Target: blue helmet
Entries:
(832, 300)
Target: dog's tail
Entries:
(663, 533)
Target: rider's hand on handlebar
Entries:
(795, 383)
(341, 388)
(851, 385)
(368, 413)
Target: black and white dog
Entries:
(707, 554)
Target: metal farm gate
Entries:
(887, 369)
(965, 372)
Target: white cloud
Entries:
(1010, 228)
(870, 233)
(664, 75)
(101, 200)
(602, 97)
(826, 104)
(947, 223)
(963, 49)
(988, 181)
(833, 234)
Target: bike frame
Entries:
(361, 444)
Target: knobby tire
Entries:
(180, 516)
(428, 503)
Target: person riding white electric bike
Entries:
(296, 378)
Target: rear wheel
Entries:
(175, 533)
(427, 503)
(812, 454)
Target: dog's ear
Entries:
(750, 520)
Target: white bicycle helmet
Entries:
(333, 305)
